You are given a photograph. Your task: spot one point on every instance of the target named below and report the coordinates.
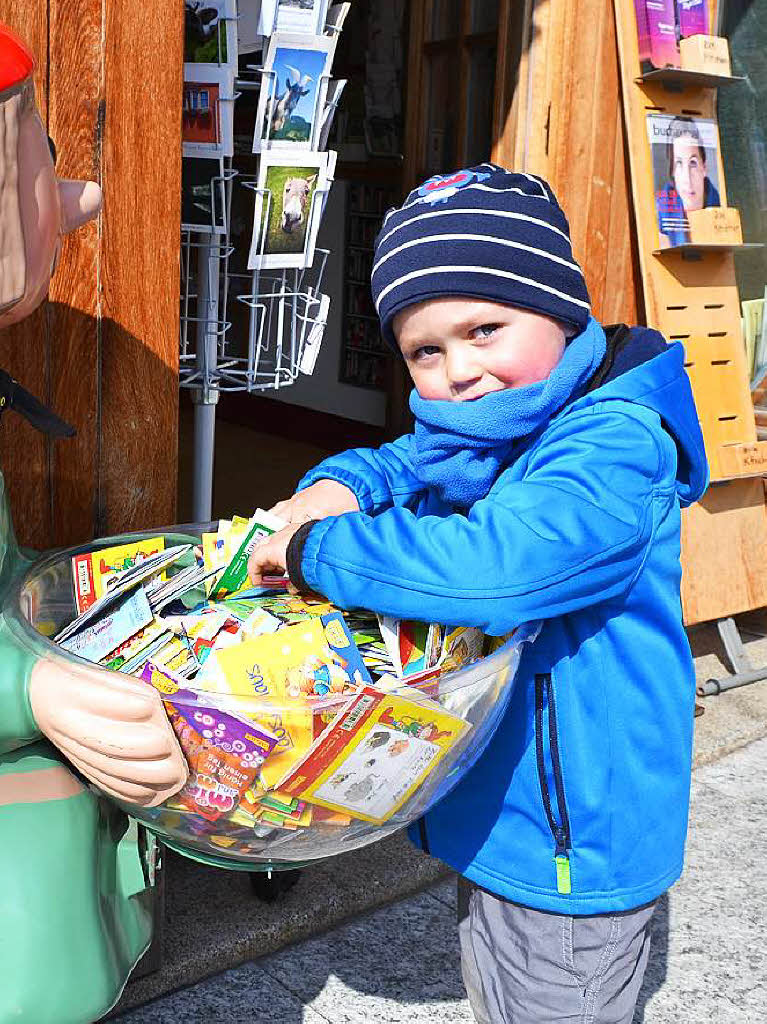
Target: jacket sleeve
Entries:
(17, 725)
(574, 531)
(380, 477)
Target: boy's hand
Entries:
(271, 554)
(318, 501)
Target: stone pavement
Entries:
(401, 962)
(708, 961)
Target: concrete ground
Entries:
(326, 953)
(707, 964)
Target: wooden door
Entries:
(554, 109)
(103, 351)
(454, 64)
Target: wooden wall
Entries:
(103, 351)
(559, 115)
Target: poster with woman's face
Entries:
(685, 171)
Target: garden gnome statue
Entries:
(74, 902)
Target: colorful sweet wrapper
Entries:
(235, 575)
(224, 752)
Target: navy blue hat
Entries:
(483, 232)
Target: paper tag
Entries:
(715, 225)
(314, 338)
(708, 55)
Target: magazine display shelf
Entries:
(43, 601)
(684, 78)
(691, 296)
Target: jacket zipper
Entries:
(559, 824)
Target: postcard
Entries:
(210, 32)
(685, 162)
(336, 16)
(332, 99)
(294, 85)
(203, 197)
(306, 16)
(374, 755)
(207, 113)
(320, 307)
(286, 218)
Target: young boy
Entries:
(544, 480)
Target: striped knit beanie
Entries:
(483, 232)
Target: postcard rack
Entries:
(691, 296)
(285, 315)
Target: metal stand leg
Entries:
(744, 671)
(205, 398)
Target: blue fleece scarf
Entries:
(459, 448)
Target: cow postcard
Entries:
(288, 209)
(294, 85)
(207, 112)
(210, 32)
(203, 197)
(305, 16)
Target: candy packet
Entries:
(224, 752)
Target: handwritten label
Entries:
(708, 55)
(717, 225)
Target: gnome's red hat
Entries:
(16, 62)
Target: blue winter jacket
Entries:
(579, 803)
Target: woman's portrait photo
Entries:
(685, 172)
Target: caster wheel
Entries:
(268, 886)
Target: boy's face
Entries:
(459, 349)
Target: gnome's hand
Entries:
(112, 728)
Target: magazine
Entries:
(93, 571)
(661, 24)
(120, 584)
(417, 647)
(378, 750)
(685, 163)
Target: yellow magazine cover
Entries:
(92, 570)
(375, 754)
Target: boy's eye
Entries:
(423, 352)
(484, 331)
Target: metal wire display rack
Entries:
(285, 309)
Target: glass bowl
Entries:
(409, 765)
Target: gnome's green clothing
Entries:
(75, 910)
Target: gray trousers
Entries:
(524, 966)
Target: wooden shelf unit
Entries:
(696, 301)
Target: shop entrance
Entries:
(428, 90)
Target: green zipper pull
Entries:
(562, 862)
(563, 874)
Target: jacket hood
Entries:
(644, 370)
